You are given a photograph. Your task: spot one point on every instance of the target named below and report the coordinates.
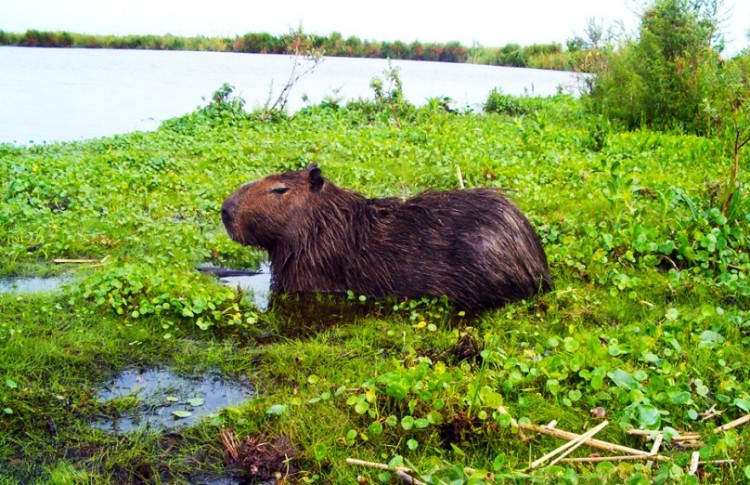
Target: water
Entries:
(257, 287)
(71, 94)
(31, 285)
(160, 393)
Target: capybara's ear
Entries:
(316, 177)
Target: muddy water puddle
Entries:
(158, 399)
(32, 284)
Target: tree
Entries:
(662, 78)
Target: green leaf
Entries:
(7, 410)
(277, 409)
(574, 395)
(412, 444)
(407, 422)
(196, 401)
(570, 344)
(458, 451)
(361, 407)
(553, 386)
(182, 414)
(396, 461)
(321, 451)
(421, 423)
(623, 380)
(11, 383)
(376, 428)
(710, 339)
(679, 397)
(171, 399)
(743, 404)
(648, 416)
(397, 390)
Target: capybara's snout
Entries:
(228, 209)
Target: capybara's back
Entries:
(472, 246)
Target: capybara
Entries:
(472, 245)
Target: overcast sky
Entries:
(488, 22)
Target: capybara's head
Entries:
(271, 210)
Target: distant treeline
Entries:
(542, 56)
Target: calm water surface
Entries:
(51, 95)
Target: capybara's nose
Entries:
(227, 212)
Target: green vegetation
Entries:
(666, 76)
(649, 319)
(646, 232)
(542, 56)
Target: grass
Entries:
(649, 318)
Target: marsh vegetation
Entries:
(646, 230)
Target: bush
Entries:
(500, 103)
(662, 78)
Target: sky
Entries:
(486, 22)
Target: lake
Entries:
(49, 95)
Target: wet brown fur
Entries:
(473, 246)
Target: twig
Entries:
(717, 462)
(657, 444)
(579, 441)
(694, 463)
(733, 424)
(688, 436)
(569, 446)
(551, 424)
(655, 449)
(408, 478)
(460, 177)
(379, 466)
(597, 459)
(592, 442)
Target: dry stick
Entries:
(408, 478)
(717, 462)
(733, 424)
(579, 441)
(594, 443)
(694, 463)
(597, 459)
(688, 436)
(75, 261)
(657, 444)
(569, 446)
(379, 466)
(655, 448)
(460, 177)
(551, 425)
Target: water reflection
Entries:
(31, 285)
(163, 399)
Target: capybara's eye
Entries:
(279, 190)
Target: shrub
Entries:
(500, 103)
(662, 78)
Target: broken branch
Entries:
(567, 447)
(733, 424)
(592, 442)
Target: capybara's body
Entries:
(472, 246)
